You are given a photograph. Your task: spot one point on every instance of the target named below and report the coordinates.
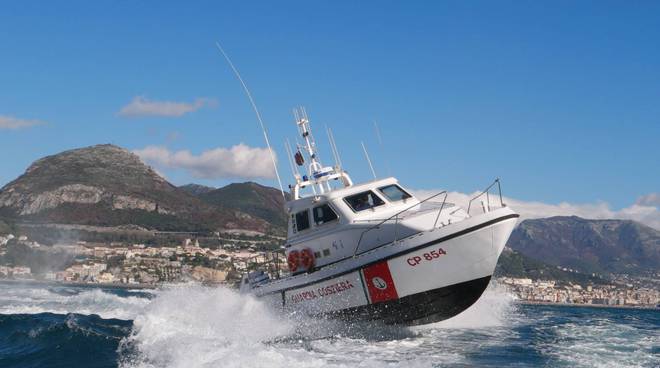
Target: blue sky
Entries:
(559, 99)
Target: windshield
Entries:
(394, 193)
(364, 201)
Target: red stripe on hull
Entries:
(379, 282)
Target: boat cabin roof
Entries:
(313, 200)
(378, 199)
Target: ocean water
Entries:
(196, 326)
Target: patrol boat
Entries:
(374, 251)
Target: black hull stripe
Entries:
(421, 308)
(402, 253)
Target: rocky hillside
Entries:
(196, 189)
(106, 185)
(257, 200)
(590, 246)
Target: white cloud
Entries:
(141, 106)
(651, 199)
(643, 211)
(239, 161)
(8, 122)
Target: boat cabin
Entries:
(338, 219)
(330, 224)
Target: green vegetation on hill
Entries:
(515, 264)
(196, 189)
(254, 199)
(590, 246)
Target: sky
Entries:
(561, 99)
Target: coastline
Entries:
(530, 302)
(82, 284)
(161, 285)
(102, 285)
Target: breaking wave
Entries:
(30, 298)
(206, 327)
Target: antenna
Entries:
(334, 143)
(333, 147)
(368, 160)
(380, 140)
(256, 111)
(288, 153)
(380, 143)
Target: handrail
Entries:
(485, 191)
(274, 261)
(396, 215)
(270, 262)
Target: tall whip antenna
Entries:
(369, 161)
(256, 111)
(333, 147)
(380, 143)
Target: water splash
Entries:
(495, 308)
(196, 326)
(207, 327)
(26, 298)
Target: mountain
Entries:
(590, 246)
(106, 185)
(257, 200)
(196, 189)
(516, 264)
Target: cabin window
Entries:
(364, 201)
(302, 220)
(323, 214)
(394, 193)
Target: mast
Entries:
(314, 168)
(318, 176)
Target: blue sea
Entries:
(195, 326)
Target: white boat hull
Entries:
(427, 277)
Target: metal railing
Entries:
(486, 192)
(396, 219)
(397, 216)
(269, 262)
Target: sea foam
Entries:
(200, 326)
(26, 298)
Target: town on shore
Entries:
(136, 265)
(553, 292)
